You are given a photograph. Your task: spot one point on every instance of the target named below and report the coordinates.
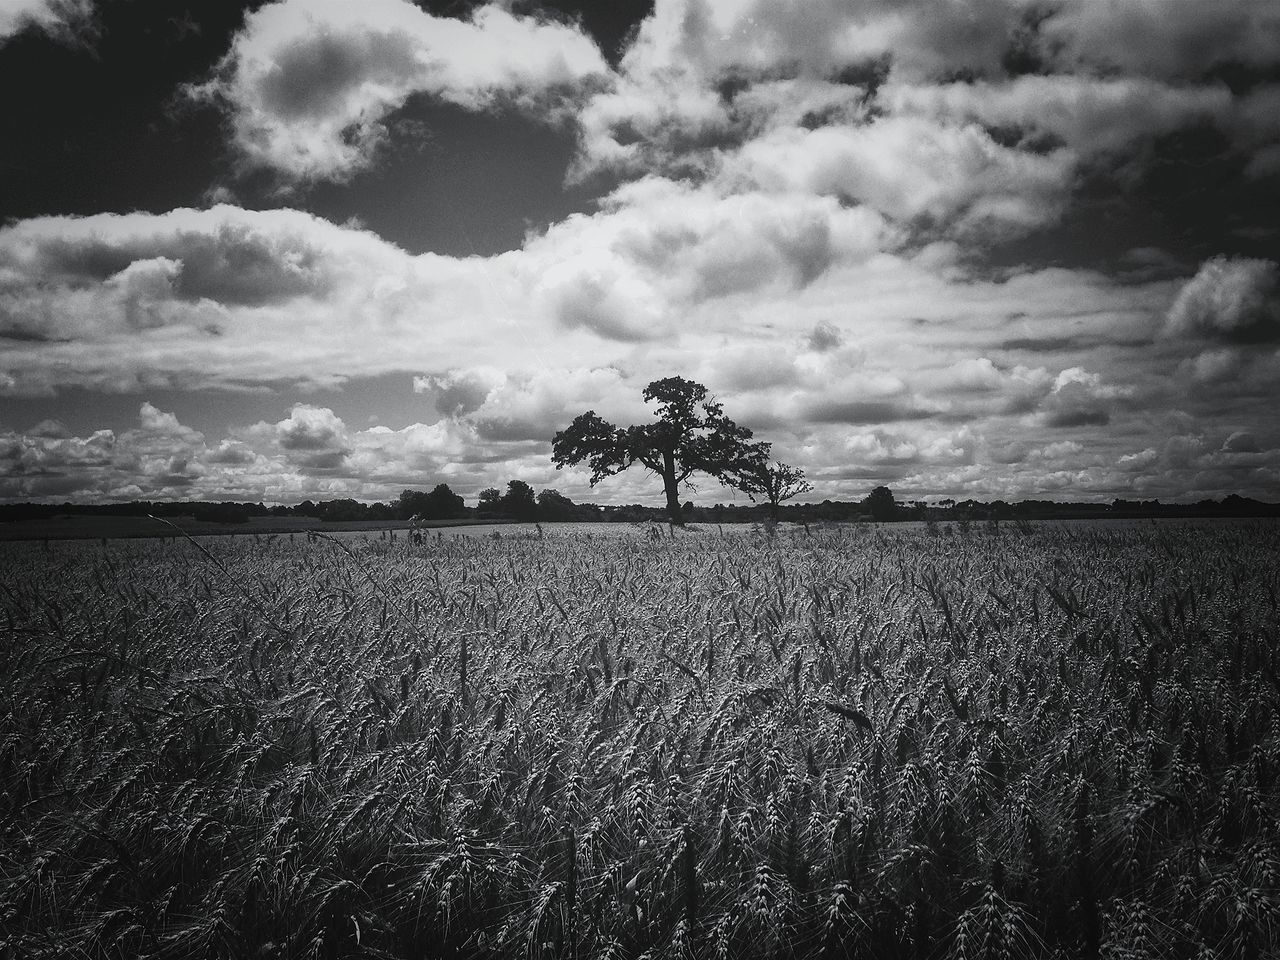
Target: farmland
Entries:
(1060, 741)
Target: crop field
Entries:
(886, 742)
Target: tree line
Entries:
(690, 435)
(441, 504)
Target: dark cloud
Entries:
(1040, 344)
(1242, 441)
(861, 412)
(1236, 299)
(228, 262)
(456, 393)
(50, 429)
(1078, 418)
(314, 74)
(1009, 451)
(324, 461)
(824, 337)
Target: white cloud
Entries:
(310, 83)
(1138, 462)
(909, 168)
(62, 19)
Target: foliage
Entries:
(554, 506)
(440, 504)
(691, 435)
(490, 500)
(774, 482)
(881, 504)
(856, 743)
(518, 502)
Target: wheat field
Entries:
(1059, 741)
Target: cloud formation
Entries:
(1233, 299)
(798, 207)
(308, 84)
(66, 20)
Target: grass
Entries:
(888, 742)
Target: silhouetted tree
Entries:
(774, 483)
(691, 435)
(345, 509)
(554, 506)
(490, 499)
(880, 502)
(518, 502)
(442, 504)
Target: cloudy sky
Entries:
(321, 248)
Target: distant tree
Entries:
(382, 511)
(518, 502)
(221, 513)
(490, 500)
(345, 509)
(880, 503)
(440, 504)
(409, 503)
(773, 483)
(554, 506)
(691, 435)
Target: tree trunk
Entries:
(672, 488)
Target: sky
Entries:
(314, 249)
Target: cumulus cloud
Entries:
(229, 296)
(66, 20)
(975, 117)
(157, 458)
(309, 84)
(803, 189)
(528, 405)
(1080, 398)
(313, 438)
(1241, 441)
(659, 246)
(1140, 461)
(1234, 299)
(911, 168)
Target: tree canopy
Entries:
(774, 483)
(518, 502)
(881, 504)
(440, 504)
(691, 435)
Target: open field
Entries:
(82, 527)
(882, 742)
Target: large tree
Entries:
(774, 483)
(691, 435)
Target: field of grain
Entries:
(883, 742)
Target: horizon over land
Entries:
(306, 250)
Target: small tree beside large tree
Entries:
(691, 435)
(773, 483)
